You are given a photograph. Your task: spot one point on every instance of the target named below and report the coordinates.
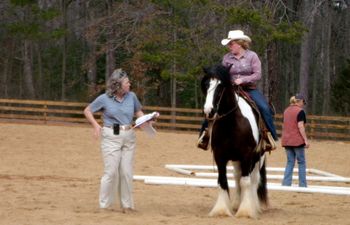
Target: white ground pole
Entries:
(199, 182)
(205, 182)
(326, 176)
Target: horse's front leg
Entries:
(237, 173)
(222, 206)
(249, 206)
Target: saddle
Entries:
(266, 142)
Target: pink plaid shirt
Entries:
(248, 67)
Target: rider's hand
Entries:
(238, 81)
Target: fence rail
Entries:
(176, 119)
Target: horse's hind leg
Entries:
(262, 188)
(222, 206)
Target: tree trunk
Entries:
(264, 85)
(7, 68)
(28, 69)
(40, 82)
(288, 67)
(3, 83)
(110, 55)
(273, 73)
(309, 11)
(110, 61)
(64, 70)
(196, 104)
(313, 105)
(90, 62)
(91, 69)
(173, 75)
(92, 74)
(325, 59)
(64, 50)
(304, 66)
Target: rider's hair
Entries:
(244, 44)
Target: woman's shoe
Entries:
(128, 210)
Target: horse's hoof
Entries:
(244, 213)
(220, 213)
(264, 206)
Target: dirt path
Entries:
(50, 175)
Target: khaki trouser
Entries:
(118, 157)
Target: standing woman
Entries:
(118, 106)
(294, 140)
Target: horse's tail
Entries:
(262, 189)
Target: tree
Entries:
(308, 11)
(27, 29)
(341, 92)
(66, 49)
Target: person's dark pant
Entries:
(265, 111)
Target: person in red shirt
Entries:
(294, 140)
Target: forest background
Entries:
(66, 49)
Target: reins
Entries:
(216, 115)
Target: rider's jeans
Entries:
(265, 111)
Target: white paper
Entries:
(147, 127)
(146, 118)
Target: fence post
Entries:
(45, 113)
(173, 118)
(312, 128)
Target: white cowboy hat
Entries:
(235, 35)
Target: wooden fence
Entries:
(178, 119)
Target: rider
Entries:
(245, 71)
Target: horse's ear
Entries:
(206, 69)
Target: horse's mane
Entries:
(219, 72)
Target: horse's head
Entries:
(216, 78)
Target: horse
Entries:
(234, 138)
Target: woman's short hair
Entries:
(294, 100)
(114, 82)
(243, 43)
(298, 97)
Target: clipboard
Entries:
(147, 127)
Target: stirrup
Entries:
(203, 140)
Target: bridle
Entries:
(216, 115)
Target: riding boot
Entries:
(267, 143)
(203, 140)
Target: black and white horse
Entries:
(234, 137)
